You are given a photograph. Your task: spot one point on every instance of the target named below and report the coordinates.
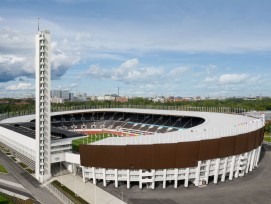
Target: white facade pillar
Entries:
(236, 175)
(116, 178)
(104, 177)
(128, 178)
(140, 178)
(252, 160)
(93, 175)
(164, 178)
(186, 177)
(74, 169)
(197, 174)
(224, 170)
(176, 178)
(216, 170)
(207, 171)
(248, 161)
(83, 174)
(258, 155)
(153, 179)
(232, 167)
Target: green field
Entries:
(2, 169)
(89, 139)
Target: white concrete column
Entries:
(216, 170)
(83, 174)
(164, 178)
(258, 155)
(186, 177)
(128, 178)
(93, 175)
(153, 179)
(236, 175)
(197, 174)
(104, 176)
(232, 167)
(248, 161)
(252, 160)
(176, 178)
(140, 179)
(116, 178)
(224, 170)
(207, 171)
(74, 169)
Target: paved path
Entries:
(253, 188)
(87, 191)
(29, 182)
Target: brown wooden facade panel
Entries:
(164, 156)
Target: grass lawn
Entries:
(268, 139)
(22, 164)
(89, 139)
(4, 200)
(29, 171)
(3, 170)
(69, 193)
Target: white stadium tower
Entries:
(43, 106)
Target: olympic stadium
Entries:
(145, 147)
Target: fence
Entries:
(58, 194)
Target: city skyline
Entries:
(180, 48)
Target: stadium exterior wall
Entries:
(189, 161)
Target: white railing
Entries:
(58, 194)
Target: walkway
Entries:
(87, 191)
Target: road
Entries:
(39, 192)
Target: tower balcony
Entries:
(42, 56)
(42, 44)
(41, 63)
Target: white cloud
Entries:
(1, 19)
(178, 71)
(20, 86)
(232, 78)
(129, 71)
(210, 68)
(210, 79)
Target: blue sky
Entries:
(146, 47)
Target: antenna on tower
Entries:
(38, 24)
(118, 90)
